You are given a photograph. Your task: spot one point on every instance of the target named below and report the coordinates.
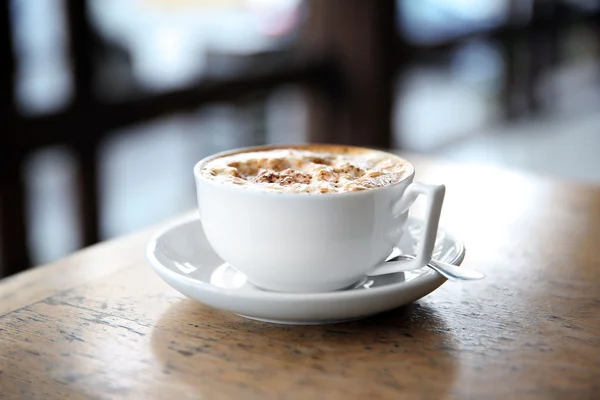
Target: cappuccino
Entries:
(310, 169)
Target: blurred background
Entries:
(107, 104)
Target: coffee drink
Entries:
(308, 169)
(310, 218)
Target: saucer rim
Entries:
(430, 276)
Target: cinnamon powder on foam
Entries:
(306, 171)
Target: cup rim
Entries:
(199, 176)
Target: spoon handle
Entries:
(454, 273)
(403, 263)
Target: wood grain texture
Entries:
(102, 325)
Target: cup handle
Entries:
(433, 210)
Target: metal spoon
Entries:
(448, 271)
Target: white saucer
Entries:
(182, 256)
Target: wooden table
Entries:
(101, 324)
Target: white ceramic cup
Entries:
(300, 242)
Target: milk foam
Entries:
(307, 170)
